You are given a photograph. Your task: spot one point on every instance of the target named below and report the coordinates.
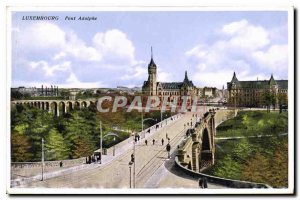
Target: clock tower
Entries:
(152, 76)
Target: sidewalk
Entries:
(120, 149)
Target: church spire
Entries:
(152, 63)
(272, 80)
(234, 78)
(186, 79)
(151, 53)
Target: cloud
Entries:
(52, 52)
(50, 71)
(245, 35)
(275, 57)
(115, 44)
(73, 82)
(40, 36)
(242, 47)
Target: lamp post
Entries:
(114, 146)
(114, 139)
(43, 159)
(143, 120)
(160, 113)
(101, 139)
(134, 161)
(130, 164)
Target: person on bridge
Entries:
(153, 141)
(204, 182)
(200, 182)
(162, 141)
(146, 142)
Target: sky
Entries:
(114, 50)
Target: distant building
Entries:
(248, 93)
(171, 90)
(209, 92)
(37, 92)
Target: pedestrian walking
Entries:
(153, 141)
(146, 142)
(204, 182)
(166, 135)
(168, 148)
(200, 182)
(60, 164)
(162, 141)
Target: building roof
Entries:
(282, 84)
(171, 85)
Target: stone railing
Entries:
(48, 164)
(231, 183)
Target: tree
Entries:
(268, 98)
(56, 148)
(282, 100)
(257, 169)
(79, 130)
(20, 148)
(228, 168)
(82, 148)
(279, 166)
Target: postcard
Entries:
(150, 100)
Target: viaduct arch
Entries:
(57, 107)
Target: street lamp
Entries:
(114, 146)
(114, 139)
(101, 139)
(134, 160)
(43, 159)
(130, 165)
(143, 120)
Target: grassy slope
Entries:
(257, 159)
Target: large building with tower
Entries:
(249, 93)
(152, 87)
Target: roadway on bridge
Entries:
(153, 169)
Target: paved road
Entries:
(115, 174)
(153, 168)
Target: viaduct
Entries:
(57, 107)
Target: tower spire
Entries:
(151, 53)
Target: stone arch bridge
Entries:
(197, 151)
(57, 107)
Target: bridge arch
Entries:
(43, 105)
(76, 105)
(54, 108)
(62, 107)
(84, 104)
(47, 106)
(69, 106)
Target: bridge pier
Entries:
(201, 145)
